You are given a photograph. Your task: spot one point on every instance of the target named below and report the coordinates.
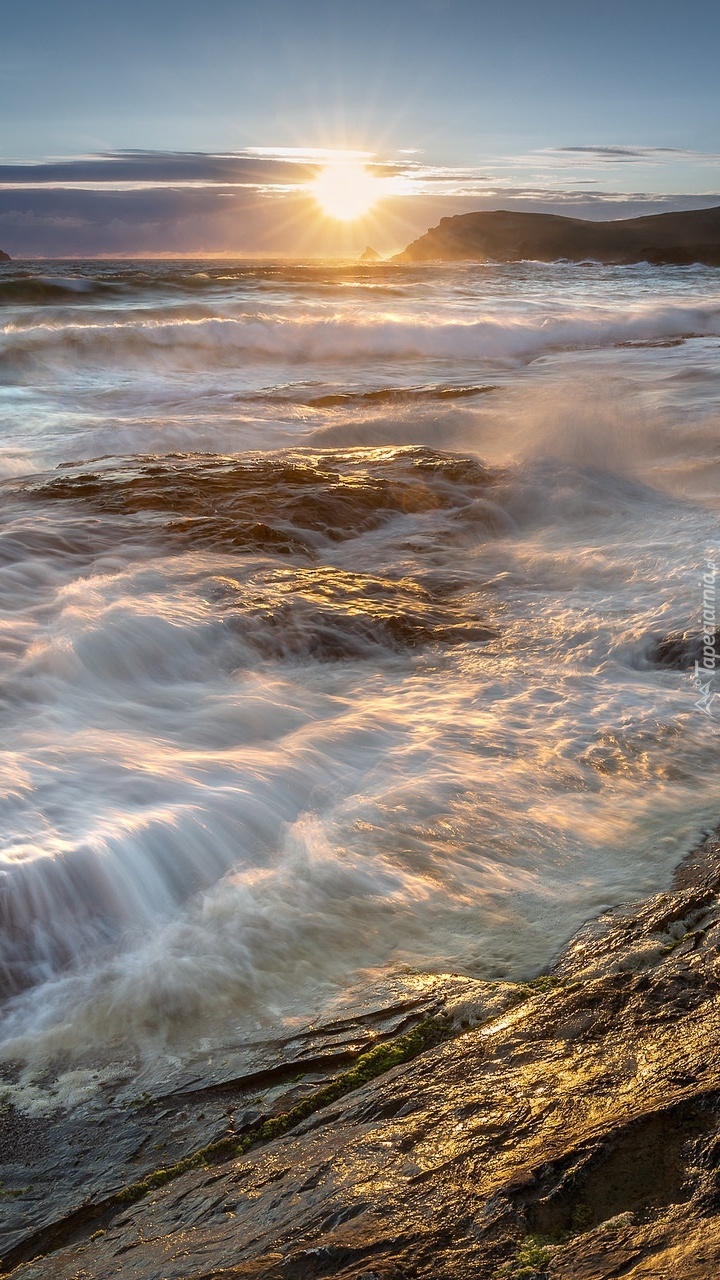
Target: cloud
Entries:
(254, 167)
(617, 154)
(164, 168)
(79, 222)
(612, 154)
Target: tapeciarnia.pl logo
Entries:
(705, 671)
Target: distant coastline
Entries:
(503, 236)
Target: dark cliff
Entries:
(503, 236)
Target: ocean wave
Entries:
(200, 342)
(49, 289)
(131, 281)
(396, 396)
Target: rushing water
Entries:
(330, 609)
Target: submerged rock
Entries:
(329, 615)
(567, 1128)
(293, 502)
(680, 651)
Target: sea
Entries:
(349, 622)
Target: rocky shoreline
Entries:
(564, 1128)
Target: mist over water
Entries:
(330, 601)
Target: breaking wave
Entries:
(223, 340)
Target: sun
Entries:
(346, 190)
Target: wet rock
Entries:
(679, 651)
(294, 506)
(573, 1134)
(330, 615)
(299, 501)
(63, 1158)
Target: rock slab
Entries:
(571, 1133)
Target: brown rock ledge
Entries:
(574, 1135)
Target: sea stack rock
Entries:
(507, 236)
(5, 257)
(370, 255)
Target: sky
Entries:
(171, 127)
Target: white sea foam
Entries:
(348, 336)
